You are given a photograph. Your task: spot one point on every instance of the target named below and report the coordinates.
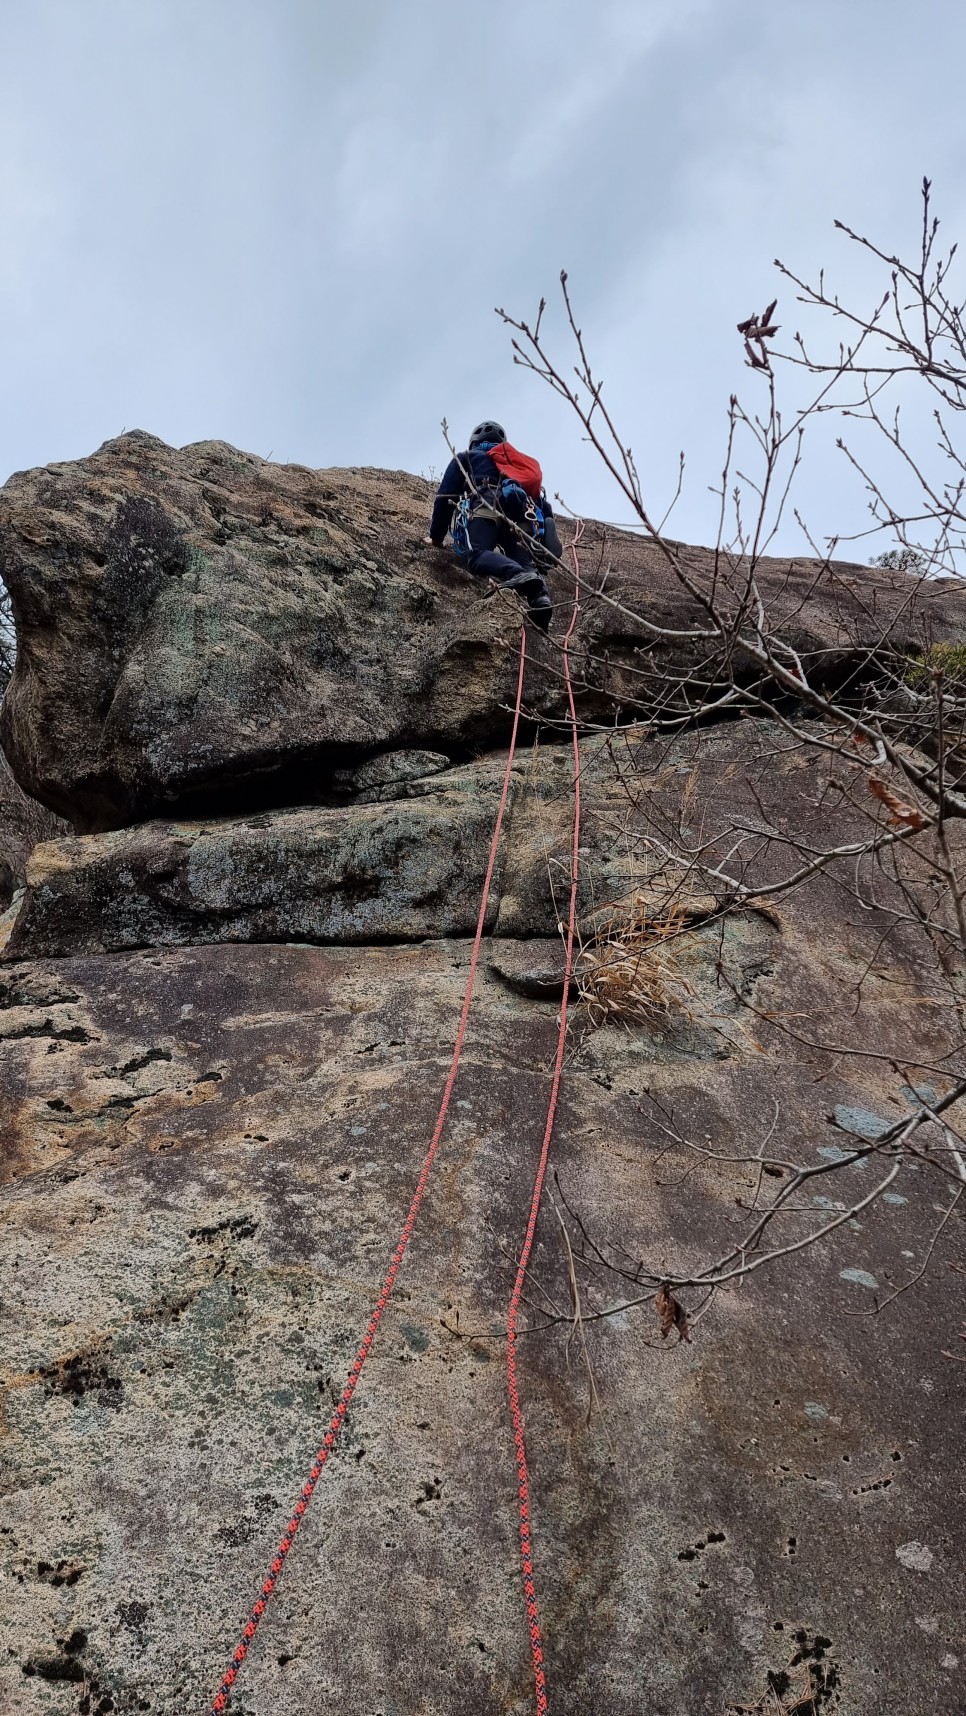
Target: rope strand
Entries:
(513, 1388)
(221, 1699)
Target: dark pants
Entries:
(486, 536)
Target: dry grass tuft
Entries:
(631, 972)
(802, 1689)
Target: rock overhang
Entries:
(202, 628)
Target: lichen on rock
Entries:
(228, 1000)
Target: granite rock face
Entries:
(202, 628)
(223, 1041)
(23, 823)
(406, 868)
(387, 871)
(209, 1156)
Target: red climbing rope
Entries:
(513, 1389)
(220, 1701)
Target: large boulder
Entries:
(205, 629)
(227, 1006)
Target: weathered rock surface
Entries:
(209, 1154)
(404, 868)
(224, 1032)
(202, 627)
(396, 871)
(23, 822)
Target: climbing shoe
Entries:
(540, 611)
(533, 589)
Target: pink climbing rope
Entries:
(513, 1389)
(220, 1701)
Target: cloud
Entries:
(287, 223)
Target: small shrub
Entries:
(947, 659)
(901, 559)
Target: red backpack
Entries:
(517, 468)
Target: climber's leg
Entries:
(513, 568)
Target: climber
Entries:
(501, 529)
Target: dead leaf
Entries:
(671, 1313)
(901, 815)
(760, 327)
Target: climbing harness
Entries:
(460, 528)
(507, 504)
(221, 1699)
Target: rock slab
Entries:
(208, 1156)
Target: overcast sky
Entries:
(286, 223)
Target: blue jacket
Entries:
(483, 474)
(454, 486)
